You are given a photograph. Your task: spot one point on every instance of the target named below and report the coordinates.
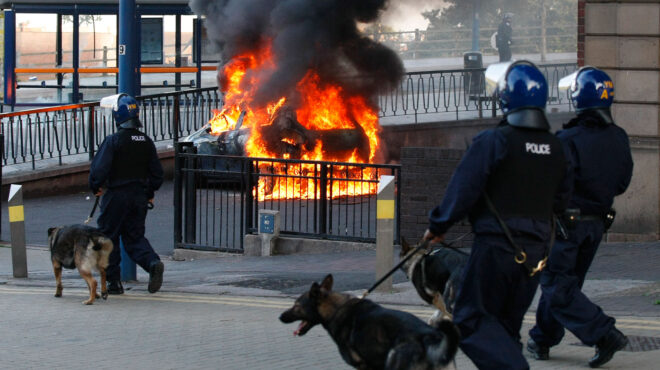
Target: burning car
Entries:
(283, 136)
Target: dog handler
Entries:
(127, 165)
(602, 162)
(509, 183)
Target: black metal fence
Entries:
(217, 198)
(456, 94)
(56, 133)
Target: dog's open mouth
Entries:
(302, 328)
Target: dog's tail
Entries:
(443, 352)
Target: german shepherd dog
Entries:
(370, 336)
(83, 247)
(436, 276)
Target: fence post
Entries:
(248, 168)
(177, 193)
(176, 117)
(323, 200)
(90, 132)
(385, 231)
(191, 197)
(17, 227)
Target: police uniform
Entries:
(504, 33)
(602, 162)
(521, 168)
(127, 165)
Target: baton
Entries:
(96, 203)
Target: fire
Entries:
(327, 115)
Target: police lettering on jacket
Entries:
(138, 138)
(535, 148)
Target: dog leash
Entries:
(424, 244)
(96, 203)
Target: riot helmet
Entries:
(125, 110)
(590, 89)
(522, 92)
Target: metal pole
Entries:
(385, 231)
(475, 25)
(75, 90)
(544, 45)
(177, 51)
(10, 58)
(126, 266)
(127, 48)
(198, 51)
(58, 56)
(17, 226)
(128, 53)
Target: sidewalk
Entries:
(624, 278)
(222, 312)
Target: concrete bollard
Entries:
(385, 231)
(17, 229)
(269, 230)
(127, 269)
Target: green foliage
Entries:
(450, 28)
(526, 13)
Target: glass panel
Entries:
(36, 43)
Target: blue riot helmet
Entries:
(522, 92)
(590, 89)
(125, 110)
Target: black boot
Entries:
(155, 276)
(115, 287)
(539, 352)
(611, 342)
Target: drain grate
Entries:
(638, 343)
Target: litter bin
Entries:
(473, 81)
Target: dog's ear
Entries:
(405, 247)
(51, 229)
(315, 291)
(327, 283)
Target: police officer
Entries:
(503, 39)
(509, 183)
(127, 165)
(602, 163)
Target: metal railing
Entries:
(449, 94)
(55, 133)
(419, 44)
(217, 198)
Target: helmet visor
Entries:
(495, 75)
(568, 83)
(110, 102)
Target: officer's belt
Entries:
(520, 256)
(590, 218)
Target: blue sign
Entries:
(267, 223)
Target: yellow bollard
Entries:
(17, 228)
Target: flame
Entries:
(321, 108)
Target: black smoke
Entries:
(306, 34)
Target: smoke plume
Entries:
(305, 34)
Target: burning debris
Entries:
(299, 80)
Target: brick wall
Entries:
(425, 173)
